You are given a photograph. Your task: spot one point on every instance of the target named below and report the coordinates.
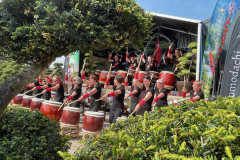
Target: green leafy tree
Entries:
(35, 32)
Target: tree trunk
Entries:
(15, 84)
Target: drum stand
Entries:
(69, 131)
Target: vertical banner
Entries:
(73, 67)
(231, 77)
(221, 20)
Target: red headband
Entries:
(47, 77)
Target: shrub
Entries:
(30, 135)
(201, 130)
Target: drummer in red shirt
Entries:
(196, 94)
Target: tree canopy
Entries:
(35, 32)
(32, 30)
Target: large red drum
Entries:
(36, 103)
(26, 101)
(70, 117)
(168, 79)
(141, 74)
(51, 109)
(123, 73)
(17, 100)
(103, 76)
(92, 122)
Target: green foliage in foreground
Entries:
(202, 130)
(9, 68)
(25, 134)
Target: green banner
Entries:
(73, 67)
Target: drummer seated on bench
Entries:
(95, 91)
(117, 108)
(196, 94)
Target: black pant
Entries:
(142, 110)
(95, 106)
(133, 105)
(76, 104)
(114, 114)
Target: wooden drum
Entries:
(103, 76)
(168, 79)
(70, 117)
(36, 103)
(50, 108)
(17, 100)
(26, 101)
(141, 74)
(92, 122)
(123, 73)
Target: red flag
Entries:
(157, 52)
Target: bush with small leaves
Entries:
(26, 134)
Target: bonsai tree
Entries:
(187, 63)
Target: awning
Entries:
(178, 24)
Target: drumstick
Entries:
(151, 76)
(73, 102)
(110, 69)
(54, 71)
(60, 107)
(84, 64)
(132, 113)
(28, 91)
(98, 100)
(38, 94)
(140, 61)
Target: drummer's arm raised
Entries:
(139, 84)
(106, 86)
(69, 83)
(86, 81)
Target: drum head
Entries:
(143, 72)
(121, 71)
(94, 114)
(20, 95)
(28, 97)
(52, 103)
(38, 100)
(73, 109)
(167, 72)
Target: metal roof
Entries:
(179, 24)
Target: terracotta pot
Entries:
(180, 84)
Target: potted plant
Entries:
(187, 68)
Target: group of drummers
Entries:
(143, 93)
